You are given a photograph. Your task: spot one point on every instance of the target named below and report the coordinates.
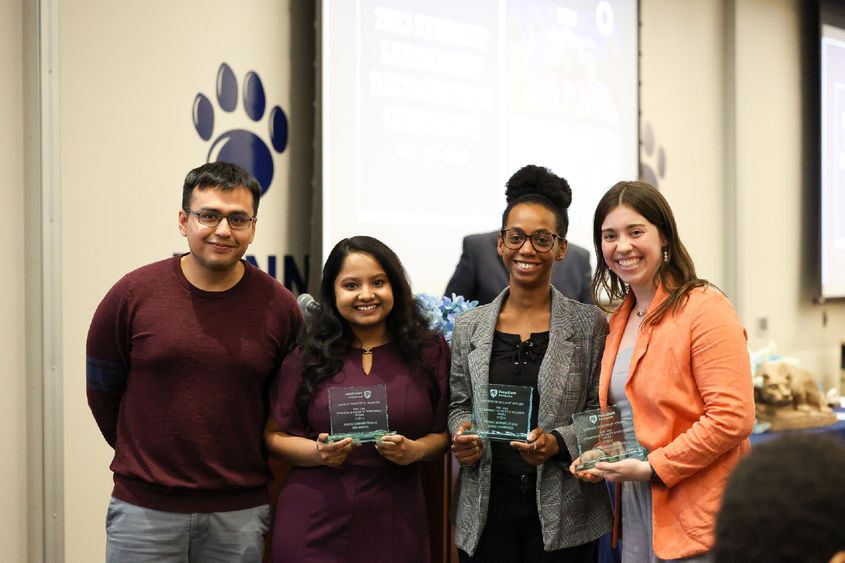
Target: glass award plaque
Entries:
(501, 413)
(359, 413)
(602, 437)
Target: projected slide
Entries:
(428, 108)
(833, 162)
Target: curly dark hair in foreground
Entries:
(535, 184)
(328, 337)
(785, 502)
(677, 275)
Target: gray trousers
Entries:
(135, 534)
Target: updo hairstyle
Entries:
(538, 185)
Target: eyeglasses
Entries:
(542, 241)
(237, 221)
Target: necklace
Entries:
(368, 350)
(642, 313)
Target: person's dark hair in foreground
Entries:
(784, 503)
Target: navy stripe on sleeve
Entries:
(105, 375)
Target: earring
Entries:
(665, 254)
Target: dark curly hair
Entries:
(677, 275)
(535, 184)
(785, 503)
(328, 337)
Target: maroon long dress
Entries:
(368, 509)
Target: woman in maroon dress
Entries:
(358, 502)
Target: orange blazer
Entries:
(691, 394)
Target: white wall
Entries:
(721, 85)
(13, 468)
(769, 184)
(681, 96)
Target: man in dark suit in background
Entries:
(481, 275)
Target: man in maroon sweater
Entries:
(180, 355)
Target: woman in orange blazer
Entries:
(676, 363)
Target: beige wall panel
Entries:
(769, 144)
(13, 471)
(681, 71)
(129, 74)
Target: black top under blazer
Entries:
(572, 512)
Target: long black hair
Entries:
(328, 337)
(677, 274)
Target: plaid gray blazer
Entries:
(571, 511)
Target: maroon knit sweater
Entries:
(177, 381)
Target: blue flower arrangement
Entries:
(441, 311)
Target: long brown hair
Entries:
(677, 274)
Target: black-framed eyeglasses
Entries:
(237, 221)
(542, 241)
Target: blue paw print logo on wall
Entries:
(239, 146)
